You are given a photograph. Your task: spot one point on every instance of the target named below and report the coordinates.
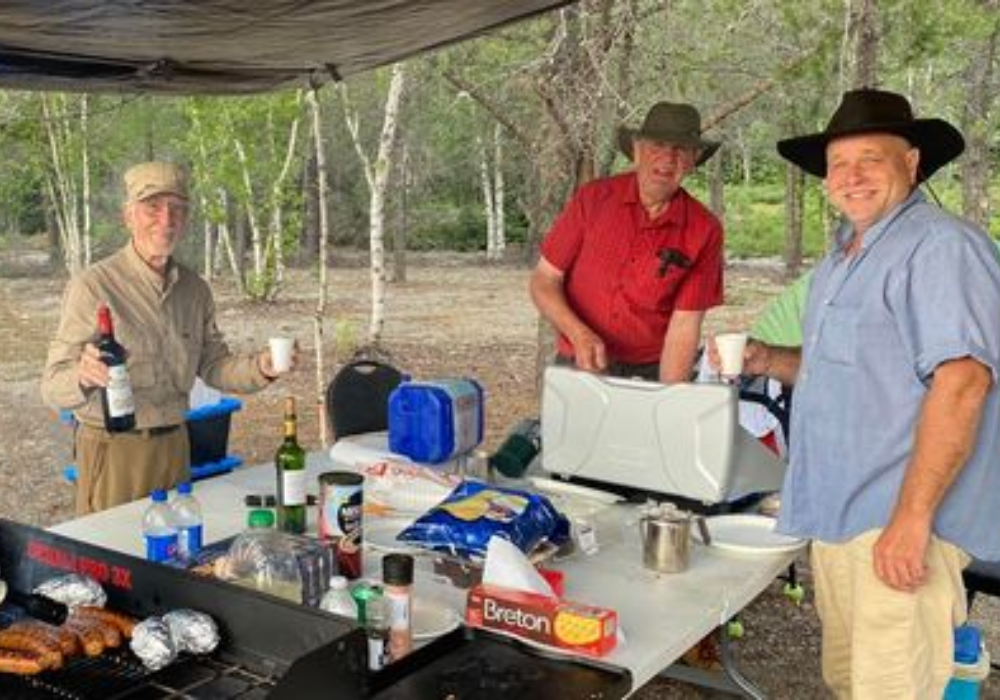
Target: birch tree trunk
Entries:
(266, 245)
(486, 185)
(64, 183)
(499, 194)
(377, 177)
(323, 235)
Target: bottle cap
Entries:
(338, 583)
(397, 569)
(184, 487)
(260, 517)
(159, 495)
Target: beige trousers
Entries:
(115, 468)
(880, 643)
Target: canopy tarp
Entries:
(228, 46)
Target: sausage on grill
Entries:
(47, 652)
(67, 641)
(90, 635)
(110, 634)
(122, 622)
(22, 663)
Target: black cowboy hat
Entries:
(877, 111)
(668, 122)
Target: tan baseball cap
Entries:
(147, 179)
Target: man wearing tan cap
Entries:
(164, 315)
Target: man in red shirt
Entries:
(633, 262)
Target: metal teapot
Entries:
(666, 538)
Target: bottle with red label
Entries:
(117, 401)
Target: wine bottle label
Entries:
(120, 399)
(294, 487)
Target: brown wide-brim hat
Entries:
(877, 111)
(668, 122)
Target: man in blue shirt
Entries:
(895, 447)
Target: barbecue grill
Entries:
(270, 648)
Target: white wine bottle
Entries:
(291, 465)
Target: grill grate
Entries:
(118, 675)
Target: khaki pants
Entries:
(115, 468)
(880, 643)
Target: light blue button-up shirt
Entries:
(924, 288)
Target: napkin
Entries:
(507, 566)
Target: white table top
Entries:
(662, 615)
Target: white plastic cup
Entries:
(281, 353)
(731, 347)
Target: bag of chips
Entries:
(463, 523)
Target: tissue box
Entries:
(583, 629)
(208, 430)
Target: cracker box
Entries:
(578, 628)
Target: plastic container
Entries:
(338, 599)
(972, 665)
(433, 421)
(519, 449)
(189, 522)
(208, 430)
(265, 559)
(159, 529)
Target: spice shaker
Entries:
(397, 577)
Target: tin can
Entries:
(340, 508)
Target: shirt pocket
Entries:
(187, 341)
(646, 288)
(141, 349)
(839, 335)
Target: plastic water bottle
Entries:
(338, 599)
(187, 518)
(159, 529)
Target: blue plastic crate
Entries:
(208, 429)
(198, 472)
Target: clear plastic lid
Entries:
(266, 560)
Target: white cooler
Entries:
(678, 439)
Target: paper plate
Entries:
(432, 618)
(564, 488)
(749, 534)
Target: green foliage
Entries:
(759, 71)
(445, 226)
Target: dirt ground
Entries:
(454, 316)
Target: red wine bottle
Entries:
(116, 398)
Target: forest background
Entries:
(476, 147)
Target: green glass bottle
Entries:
(291, 465)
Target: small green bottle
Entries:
(291, 466)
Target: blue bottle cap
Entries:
(968, 640)
(158, 495)
(184, 487)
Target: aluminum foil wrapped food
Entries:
(192, 631)
(153, 643)
(73, 590)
